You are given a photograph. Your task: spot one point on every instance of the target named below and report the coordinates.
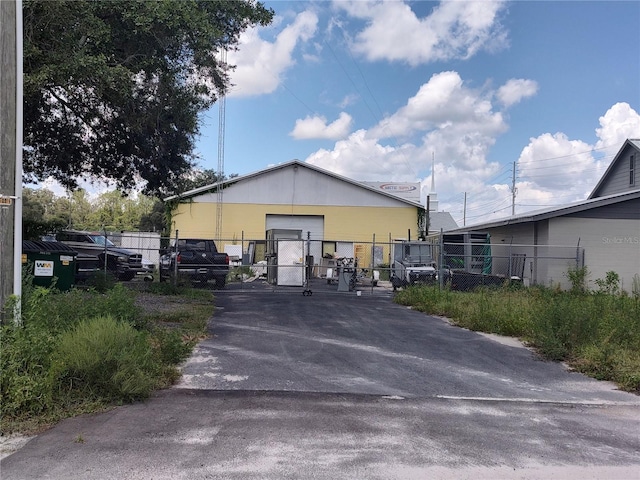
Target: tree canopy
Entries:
(44, 213)
(114, 89)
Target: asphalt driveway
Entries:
(342, 343)
(345, 386)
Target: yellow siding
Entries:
(349, 224)
(357, 224)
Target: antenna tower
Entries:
(220, 173)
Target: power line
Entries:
(489, 213)
(557, 165)
(575, 154)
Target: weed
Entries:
(578, 277)
(598, 333)
(104, 358)
(68, 358)
(170, 347)
(385, 271)
(610, 285)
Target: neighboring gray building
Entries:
(439, 221)
(622, 175)
(604, 228)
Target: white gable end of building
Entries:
(300, 185)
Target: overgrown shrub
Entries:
(607, 361)
(561, 323)
(578, 277)
(610, 285)
(25, 385)
(66, 356)
(502, 311)
(104, 358)
(385, 271)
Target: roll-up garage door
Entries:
(307, 223)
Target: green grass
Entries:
(596, 333)
(103, 358)
(84, 351)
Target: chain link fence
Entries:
(459, 262)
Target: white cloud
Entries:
(515, 90)
(316, 128)
(556, 170)
(454, 29)
(445, 117)
(440, 103)
(558, 165)
(348, 100)
(617, 124)
(364, 158)
(260, 64)
(459, 123)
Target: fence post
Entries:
(373, 254)
(242, 260)
(175, 261)
(307, 261)
(391, 259)
(510, 259)
(106, 257)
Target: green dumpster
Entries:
(50, 259)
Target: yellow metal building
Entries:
(295, 196)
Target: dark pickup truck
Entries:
(197, 259)
(123, 263)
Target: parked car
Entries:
(196, 259)
(123, 263)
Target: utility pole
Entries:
(464, 211)
(514, 190)
(10, 153)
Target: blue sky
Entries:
(375, 90)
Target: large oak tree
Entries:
(113, 89)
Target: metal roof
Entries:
(545, 214)
(635, 143)
(292, 163)
(441, 220)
